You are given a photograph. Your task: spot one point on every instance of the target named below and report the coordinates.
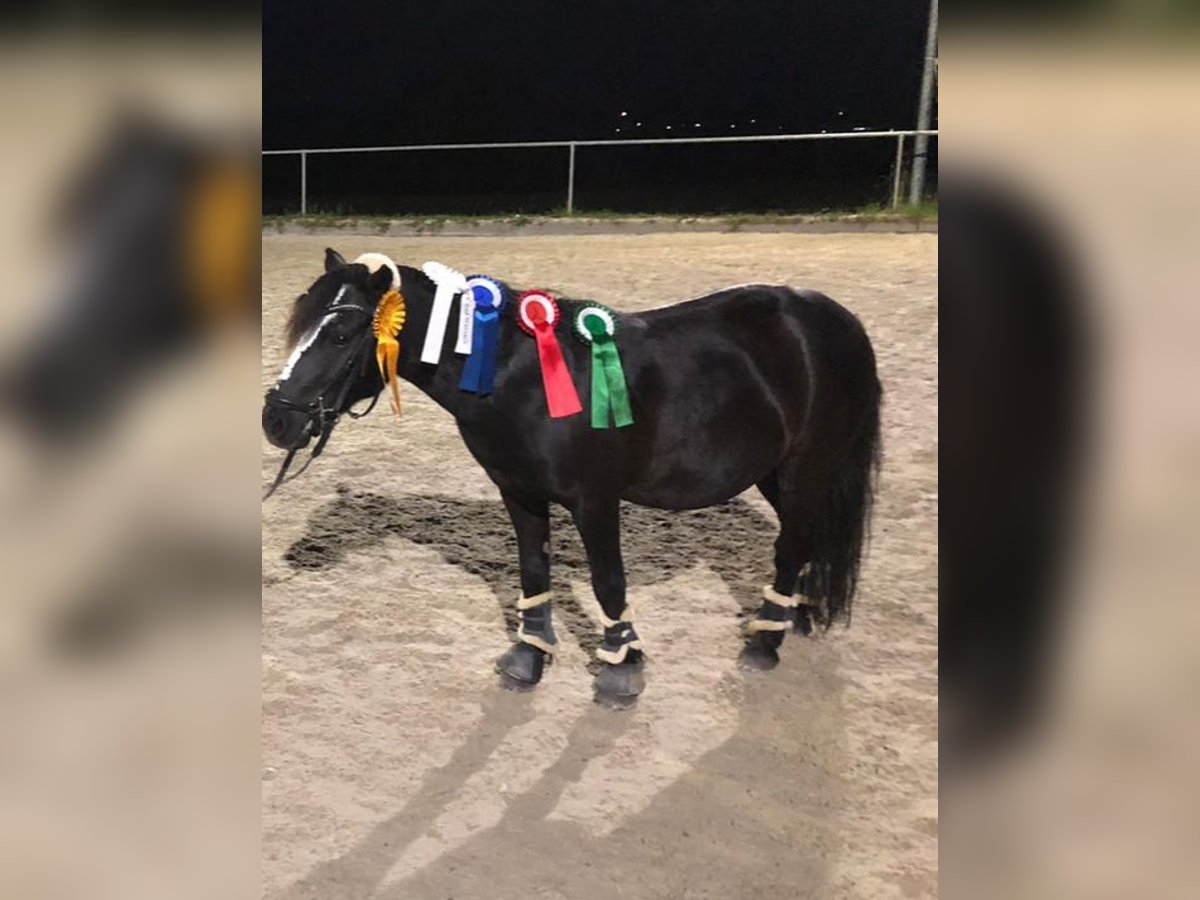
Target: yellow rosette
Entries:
(388, 323)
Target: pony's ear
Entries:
(333, 260)
(380, 280)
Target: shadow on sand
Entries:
(733, 539)
(756, 816)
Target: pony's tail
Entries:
(841, 527)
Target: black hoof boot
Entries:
(618, 686)
(805, 619)
(521, 667)
(761, 653)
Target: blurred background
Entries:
(1069, 474)
(128, 753)
(128, 498)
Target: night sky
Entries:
(368, 72)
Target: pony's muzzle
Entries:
(287, 429)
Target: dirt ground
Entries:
(395, 768)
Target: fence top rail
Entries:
(615, 142)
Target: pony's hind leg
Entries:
(621, 677)
(780, 608)
(521, 666)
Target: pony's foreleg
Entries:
(621, 676)
(522, 665)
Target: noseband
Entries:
(322, 418)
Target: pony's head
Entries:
(161, 229)
(330, 336)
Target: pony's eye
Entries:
(341, 339)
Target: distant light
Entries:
(697, 124)
(752, 121)
(623, 113)
(668, 128)
(639, 124)
(841, 112)
(618, 131)
(733, 126)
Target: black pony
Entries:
(753, 385)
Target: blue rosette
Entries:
(489, 298)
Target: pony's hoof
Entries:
(618, 687)
(758, 659)
(510, 684)
(759, 654)
(521, 667)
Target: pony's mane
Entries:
(310, 307)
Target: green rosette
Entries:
(596, 325)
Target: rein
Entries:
(323, 419)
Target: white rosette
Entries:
(449, 284)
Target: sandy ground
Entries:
(395, 768)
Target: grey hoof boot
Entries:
(618, 686)
(521, 667)
(761, 653)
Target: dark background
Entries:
(375, 73)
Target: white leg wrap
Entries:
(614, 653)
(754, 626)
(758, 624)
(769, 593)
(626, 616)
(616, 657)
(524, 602)
(535, 640)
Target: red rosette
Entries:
(535, 308)
(538, 315)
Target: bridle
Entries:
(322, 418)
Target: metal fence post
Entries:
(916, 187)
(899, 169)
(303, 182)
(571, 179)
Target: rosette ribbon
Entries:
(448, 283)
(538, 314)
(596, 325)
(488, 298)
(387, 324)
